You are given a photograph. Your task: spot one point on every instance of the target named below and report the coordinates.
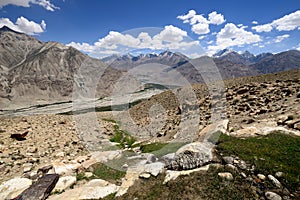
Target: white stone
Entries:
(272, 196)
(88, 174)
(97, 183)
(154, 168)
(64, 183)
(61, 168)
(261, 176)
(275, 181)
(60, 154)
(226, 175)
(145, 175)
(172, 175)
(279, 174)
(98, 192)
(12, 188)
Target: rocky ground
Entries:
(32, 146)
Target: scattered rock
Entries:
(261, 176)
(226, 175)
(279, 174)
(60, 154)
(19, 136)
(145, 175)
(228, 159)
(27, 167)
(274, 181)
(88, 174)
(272, 196)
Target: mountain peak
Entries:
(223, 52)
(7, 29)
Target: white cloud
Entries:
(286, 23)
(298, 48)
(171, 37)
(215, 18)
(185, 18)
(254, 22)
(24, 25)
(281, 37)
(200, 24)
(26, 3)
(263, 28)
(200, 28)
(201, 37)
(171, 34)
(231, 35)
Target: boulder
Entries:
(211, 132)
(14, 187)
(41, 189)
(64, 183)
(191, 156)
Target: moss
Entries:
(270, 154)
(104, 172)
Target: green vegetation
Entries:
(122, 137)
(160, 149)
(109, 120)
(81, 176)
(199, 185)
(270, 154)
(104, 172)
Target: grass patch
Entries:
(122, 137)
(104, 172)
(160, 149)
(81, 176)
(109, 120)
(198, 185)
(270, 154)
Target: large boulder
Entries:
(14, 187)
(191, 156)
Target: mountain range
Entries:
(34, 72)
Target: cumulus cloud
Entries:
(26, 3)
(215, 18)
(254, 22)
(263, 28)
(286, 23)
(281, 37)
(231, 35)
(199, 23)
(298, 48)
(23, 25)
(171, 37)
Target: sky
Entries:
(104, 27)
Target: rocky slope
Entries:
(34, 72)
(255, 106)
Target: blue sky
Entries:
(103, 27)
